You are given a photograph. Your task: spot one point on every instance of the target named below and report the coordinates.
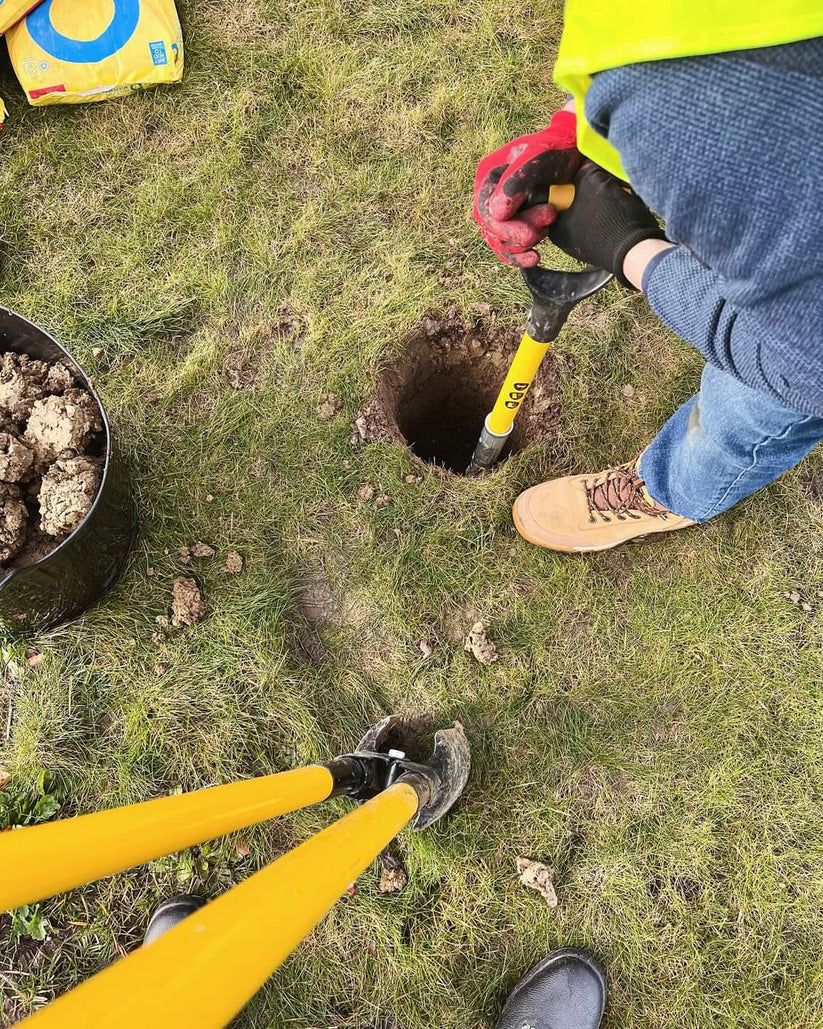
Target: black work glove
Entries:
(605, 220)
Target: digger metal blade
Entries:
(448, 767)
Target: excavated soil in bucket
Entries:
(436, 398)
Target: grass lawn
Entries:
(221, 257)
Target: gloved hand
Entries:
(506, 179)
(605, 220)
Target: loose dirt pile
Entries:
(437, 396)
(188, 606)
(51, 457)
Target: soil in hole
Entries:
(437, 396)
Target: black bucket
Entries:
(61, 585)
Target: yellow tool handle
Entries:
(561, 196)
(202, 972)
(521, 374)
(42, 860)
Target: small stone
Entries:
(366, 492)
(329, 407)
(96, 351)
(209, 498)
(819, 594)
(234, 563)
(806, 606)
(151, 572)
(627, 390)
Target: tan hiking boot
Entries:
(592, 512)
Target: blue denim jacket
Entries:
(728, 149)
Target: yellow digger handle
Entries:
(561, 197)
(199, 974)
(513, 392)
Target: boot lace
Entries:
(619, 493)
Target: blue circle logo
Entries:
(84, 51)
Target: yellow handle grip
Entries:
(561, 196)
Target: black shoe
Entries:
(167, 915)
(566, 990)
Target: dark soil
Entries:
(437, 396)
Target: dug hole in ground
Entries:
(436, 397)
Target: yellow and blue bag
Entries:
(76, 51)
(11, 11)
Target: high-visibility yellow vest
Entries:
(601, 34)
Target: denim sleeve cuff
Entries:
(650, 267)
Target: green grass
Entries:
(653, 727)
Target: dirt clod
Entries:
(436, 398)
(67, 493)
(479, 645)
(329, 407)
(234, 563)
(366, 492)
(14, 517)
(537, 876)
(382, 501)
(62, 425)
(24, 381)
(187, 604)
(198, 549)
(16, 459)
(393, 876)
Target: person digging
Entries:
(714, 115)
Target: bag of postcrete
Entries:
(11, 11)
(77, 51)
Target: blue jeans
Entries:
(726, 442)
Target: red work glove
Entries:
(506, 180)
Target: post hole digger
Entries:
(205, 969)
(554, 295)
